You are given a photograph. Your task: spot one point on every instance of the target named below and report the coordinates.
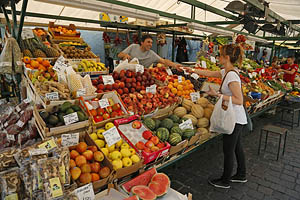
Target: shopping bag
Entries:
(223, 121)
(125, 65)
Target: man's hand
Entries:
(178, 67)
(126, 56)
(280, 70)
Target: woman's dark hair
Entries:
(146, 36)
(235, 53)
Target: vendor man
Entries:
(144, 54)
(290, 70)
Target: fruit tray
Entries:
(133, 136)
(58, 35)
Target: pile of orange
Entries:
(39, 63)
(64, 30)
(182, 89)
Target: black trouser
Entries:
(232, 145)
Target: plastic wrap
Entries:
(7, 158)
(10, 184)
(25, 175)
(63, 156)
(11, 119)
(6, 57)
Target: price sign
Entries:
(35, 152)
(27, 100)
(195, 96)
(254, 82)
(27, 33)
(203, 64)
(139, 68)
(169, 72)
(108, 79)
(179, 79)
(263, 71)
(85, 192)
(71, 118)
(151, 89)
(68, 140)
(186, 124)
(20, 124)
(185, 72)
(10, 137)
(213, 59)
(195, 76)
(18, 109)
(111, 136)
(81, 92)
(52, 96)
(250, 75)
(48, 145)
(60, 64)
(103, 103)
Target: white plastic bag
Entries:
(223, 121)
(125, 65)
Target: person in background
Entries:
(290, 70)
(275, 63)
(144, 54)
(263, 59)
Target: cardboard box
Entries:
(179, 147)
(194, 139)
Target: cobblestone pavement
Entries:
(267, 178)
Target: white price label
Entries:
(35, 152)
(111, 136)
(213, 59)
(185, 72)
(103, 103)
(179, 79)
(151, 89)
(250, 75)
(27, 33)
(263, 71)
(186, 124)
(52, 96)
(71, 118)
(20, 124)
(81, 92)
(195, 76)
(169, 72)
(254, 82)
(195, 96)
(85, 192)
(10, 137)
(60, 64)
(27, 100)
(203, 64)
(108, 79)
(3, 64)
(68, 140)
(254, 74)
(139, 68)
(18, 109)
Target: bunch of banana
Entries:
(90, 66)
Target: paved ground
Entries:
(267, 178)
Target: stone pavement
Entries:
(267, 178)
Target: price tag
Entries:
(27, 100)
(108, 79)
(203, 64)
(103, 103)
(3, 64)
(250, 75)
(10, 137)
(60, 64)
(213, 59)
(35, 152)
(68, 140)
(185, 72)
(48, 145)
(179, 79)
(111, 136)
(81, 92)
(263, 71)
(195, 76)
(27, 33)
(139, 68)
(186, 124)
(20, 124)
(18, 109)
(151, 89)
(254, 74)
(169, 72)
(85, 192)
(71, 118)
(5, 124)
(52, 96)
(254, 82)
(195, 96)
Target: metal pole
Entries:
(271, 58)
(14, 17)
(173, 47)
(23, 13)
(7, 18)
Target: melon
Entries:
(157, 123)
(202, 131)
(162, 134)
(132, 198)
(203, 102)
(188, 133)
(187, 104)
(158, 189)
(142, 179)
(180, 111)
(167, 123)
(174, 139)
(161, 178)
(175, 118)
(192, 117)
(197, 111)
(176, 129)
(150, 123)
(211, 106)
(202, 122)
(143, 192)
(207, 112)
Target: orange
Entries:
(28, 66)
(191, 86)
(180, 87)
(93, 112)
(174, 90)
(170, 86)
(46, 63)
(95, 177)
(26, 60)
(188, 81)
(183, 79)
(40, 60)
(34, 64)
(179, 93)
(42, 68)
(175, 84)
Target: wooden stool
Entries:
(291, 108)
(273, 129)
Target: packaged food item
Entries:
(25, 175)
(63, 156)
(51, 178)
(26, 116)
(10, 184)
(70, 193)
(22, 106)
(12, 119)
(7, 158)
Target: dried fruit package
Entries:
(25, 175)
(10, 184)
(63, 156)
(52, 181)
(22, 106)
(25, 116)
(11, 119)
(7, 158)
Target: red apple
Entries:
(140, 145)
(136, 124)
(149, 144)
(147, 135)
(154, 139)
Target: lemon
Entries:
(109, 125)
(118, 144)
(100, 143)
(135, 159)
(105, 151)
(99, 133)
(94, 136)
(111, 148)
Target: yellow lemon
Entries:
(94, 136)
(105, 151)
(100, 143)
(109, 125)
(118, 144)
(111, 148)
(99, 133)
(135, 159)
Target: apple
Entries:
(147, 135)
(98, 118)
(140, 145)
(154, 139)
(116, 106)
(154, 148)
(149, 144)
(136, 124)
(147, 150)
(106, 116)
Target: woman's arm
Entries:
(204, 72)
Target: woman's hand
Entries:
(212, 92)
(188, 69)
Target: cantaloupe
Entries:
(203, 102)
(192, 117)
(187, 104)
(197, 111)
(180, 111)
(202, 122)
(211, 106)
(207, 112)
(203, 131)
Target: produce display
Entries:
(209, 64)
(89, 66)
(73, 52)
(65, 31)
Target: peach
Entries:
(85, 178)
(72, 163)
(85, 168)
(140, 145)
(104, 172)
(154, 139)
(92, 148)
(95, 167)
(98, 156)
(95, 177)
(149, 144)
(75, 173)
(80, 160)
(73, 154)
(154, 148)
(88, 154)
(81, 147)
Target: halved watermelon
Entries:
(143, 192)
(158, 188)
(142, 179)
(132, 198)
(162, 179)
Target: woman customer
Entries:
(231, 87)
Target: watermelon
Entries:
(167, 123)
(158, 188)
(142, 179)
(174, 139)
(132, 198)
(174, 118)
(162, 134)
(187, 133)
(175, 124)
(143, 192)
(157, 123)
(161, 178)
(150, 123)
(176, 129)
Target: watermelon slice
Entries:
(132, 198)
(162, 179)
(142, 179)
(143, 192)
(158, 189)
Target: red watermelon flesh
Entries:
(143, 192)
(158, 189)
(142, 179)
(162, 179)
(132, 198)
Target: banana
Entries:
(93, 63)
